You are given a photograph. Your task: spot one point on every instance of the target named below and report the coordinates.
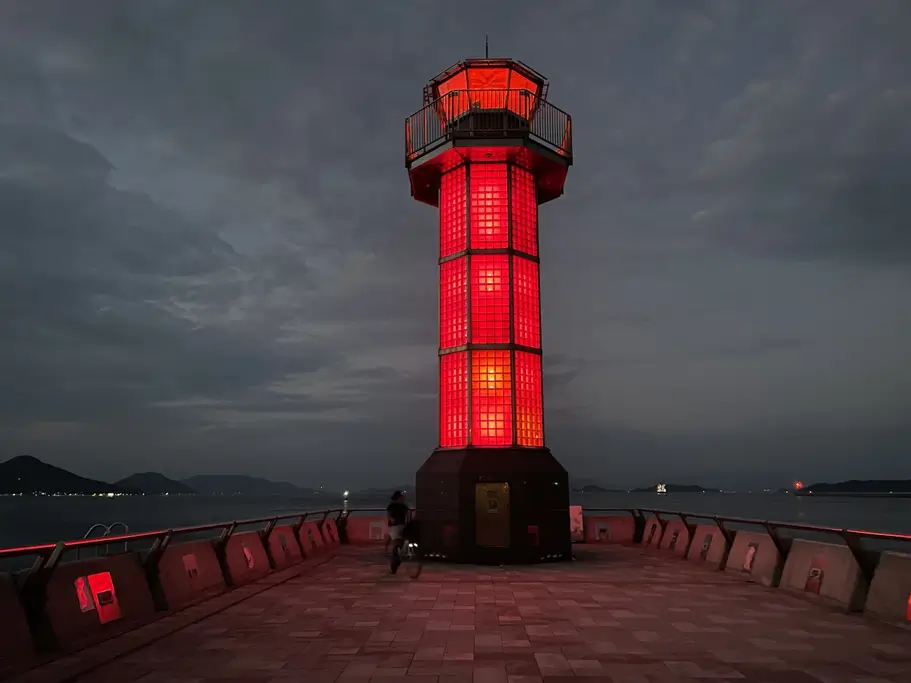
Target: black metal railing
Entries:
(487, 115)
(156, 541)
(852, 538)
(748, 522)
(159, 539)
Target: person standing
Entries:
(397, 514)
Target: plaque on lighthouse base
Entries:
(494, 505)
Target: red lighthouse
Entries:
(487, 149)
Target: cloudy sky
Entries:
(210, 261)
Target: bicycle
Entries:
(411, 559)
(409, 551)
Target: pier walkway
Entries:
(621, 614)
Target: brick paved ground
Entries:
(618, 614)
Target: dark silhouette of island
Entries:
(28, 475)
(859, 487)
(155, 484)
(677, 488)
(241, 485)
(384, 491)
(595, 488)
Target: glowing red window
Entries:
(526, 306)
(453, 303)
(84, 594)
(524, 212)
(453, 234)
(489, 298)
(491, 398)
(191, 566)
(96, 592)
(908, 610)
(489, 202)
(529, 400)
(454, 399)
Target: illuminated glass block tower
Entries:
(487, 148)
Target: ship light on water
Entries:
(661, 489)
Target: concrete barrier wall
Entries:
(610, 529)
(676, 537)
(755, 556)
(303, 537)
(16, 648)
(889, 597)
(284, 548)
(245, 558)
(652, 534)
(189, 572)
(367, 529)
(329, 531)
(708, 546)
(827, 570)
(98, 597)
(311, 538)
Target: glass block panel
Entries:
(453, 303)
(489, 201)
(491, 398)
(454, 400)
(489, 281)
(527, 302)
(529, 400)
(524, 212)
(453, 233)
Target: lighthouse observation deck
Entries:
(649, 598)
(487, 116)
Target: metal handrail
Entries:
(793, 526)
(487, 114)
(45, 550)
(850, 537)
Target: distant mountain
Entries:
(678, 488)
(155, 484)
(859, 486)
(241, 485)
(26, 474)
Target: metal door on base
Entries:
(491, 503)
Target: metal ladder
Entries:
(108, 528)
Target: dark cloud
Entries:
(209, 259)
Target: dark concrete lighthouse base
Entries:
(494, 505)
